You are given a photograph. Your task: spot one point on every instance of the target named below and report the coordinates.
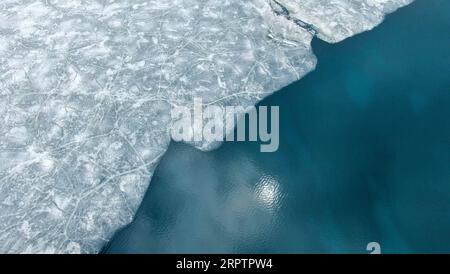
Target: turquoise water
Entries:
(364, 156)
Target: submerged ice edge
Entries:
(86, 91)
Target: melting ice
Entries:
(86, 89)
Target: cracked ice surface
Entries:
(335, 20)
(86, 89)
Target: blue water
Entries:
(364, 156)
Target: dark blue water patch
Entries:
(364, 156)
